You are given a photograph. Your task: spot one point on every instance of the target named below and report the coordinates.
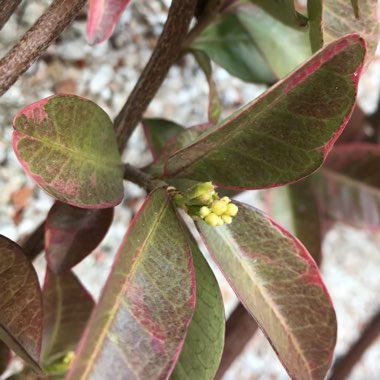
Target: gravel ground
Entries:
(106, 74)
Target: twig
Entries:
(164, 55)
(141, 178)
(7, 8)
(343, 366)
(240, 328)
(37, 39)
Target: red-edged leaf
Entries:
(103, 16)
(296, 208)
(315, 15)
(339, 20)
(67, 308)
(68, 146)
(279, 283)
(20, 303)
(285, 134)
(203, 347)
(349, 185)
(139, 325)
(71, 233)
(5, 357)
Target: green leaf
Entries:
(340, 20)
(159, 133)
(20, 304)
(71, 233)
(283, 10)
(139, 325)
(296, 208)
(68, 146)
(279, 283)
(315, 15)
(349, 185)
(214, 105)
(228, 44)
(67, 308)
(203, 347)
(283, 47)
(5, 357)
(286, 133)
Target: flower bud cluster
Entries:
(201, 201)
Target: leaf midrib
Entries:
(119, 299)
(266, 298)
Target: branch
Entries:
(240, 328)
(343, 366)
(164, 55)
(7, 8)
(37, 39)
(141, 178)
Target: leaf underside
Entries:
(71, 233)
(20, 304)
(203, 347)
(286, 133)
(68, 146)
(349, 185)
(139, 325)
(67, 308)
(280, 285)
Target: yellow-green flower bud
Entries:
(204, 211)
(232, 209)
(219, 207)
(201, 193)
(227, 219)
(213, 220)
(226, 200)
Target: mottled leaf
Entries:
(20, 303)
(214, 105)
(340, 20)
(283, 10)
(203, 347)
(103, 16)
(315, 15)
(296, 208)
(139, 325)
(68, 146)
(71, 233)
(160, 132)
(67, 308)
(283, 47)
(279, 283)
(5, 357)
(228, 44)
(286, 133)
(349, 185)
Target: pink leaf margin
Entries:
(102, 18)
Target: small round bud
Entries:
(204, 211)
(232, 209)
(213, 220)
(226, 200)
(227, 219)
(219, 207)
